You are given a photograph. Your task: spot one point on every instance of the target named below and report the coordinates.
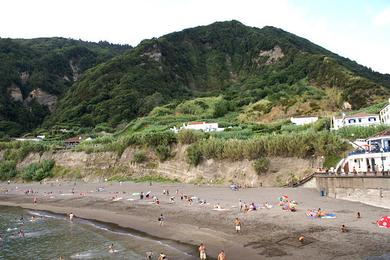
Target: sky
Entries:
(356, 29)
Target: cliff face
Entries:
(103, 165)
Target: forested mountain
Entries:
(242, 64)
(35, 73)
(263, 74)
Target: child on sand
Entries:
(237, 223)
(202, 252)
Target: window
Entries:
(360, 120)
(351, 121)
(371, 119)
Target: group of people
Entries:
(203, 256)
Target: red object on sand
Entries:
(384, 222)
(285, 197)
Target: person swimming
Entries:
(21, 233)
(162, 257)
(111, 249)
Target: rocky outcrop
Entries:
(15, 93)
(154, 53)
(273, 55)
(106, 164)
(75, 71)
(43, 98)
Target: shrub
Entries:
(159, 138)
(261, 165)
(38, 171)
(301, 145)
(7, 170)
(163, 152)
(194, 155)
(189, 136)
(139, 157)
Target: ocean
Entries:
(51, 236)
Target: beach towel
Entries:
(220, 209)
(329, 215)
(117, 199)
(135, 194)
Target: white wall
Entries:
(303, 120)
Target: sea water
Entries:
(49, 236)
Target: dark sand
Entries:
(265, 232)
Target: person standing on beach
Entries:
(71, 216)
(237, 223)
(35, 200)
(161, 220)
(221, 255)
(202, 252)
(240, 205)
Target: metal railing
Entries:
(375, 150)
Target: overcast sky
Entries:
(357, 29)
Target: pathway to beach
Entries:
(207, 213)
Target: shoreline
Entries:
(109, 226)
(139, 226)
(266, 233)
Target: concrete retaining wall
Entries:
(372, 190)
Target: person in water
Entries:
(149, 255)
(21, 233)
(111, 249)
(71, 216)
(221, 255)
(162, 257)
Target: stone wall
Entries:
(372, 190)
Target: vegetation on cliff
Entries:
(49, 64)
(225, 65)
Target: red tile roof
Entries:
(361, 115)
(196, 123)
(381, 134)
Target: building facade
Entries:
(385, 114)
(372, 157)
(303, 120)
(361, 119)
(201, 126)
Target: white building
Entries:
(360, 119)
(385, 114)
(202, 126)
(374, 158)
(303, 120)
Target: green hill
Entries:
(241, 64)
(34, 73)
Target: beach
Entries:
(265, 232)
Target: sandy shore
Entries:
(266, 232)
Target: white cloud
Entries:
(383, 18)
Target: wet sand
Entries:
(265, 232)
